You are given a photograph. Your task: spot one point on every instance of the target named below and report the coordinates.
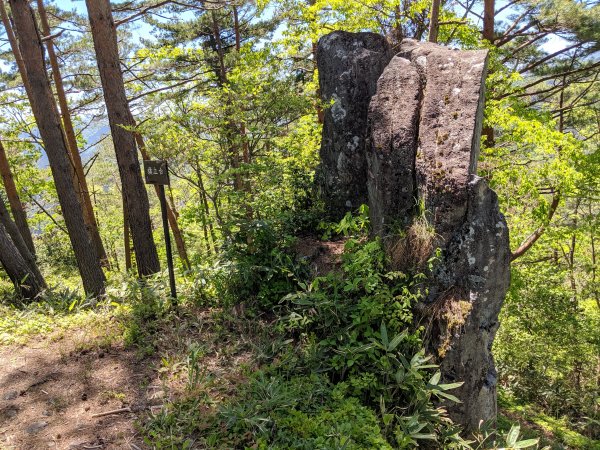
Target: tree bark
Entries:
(488, 33)
(120, 118)
(17, 269)
(18, 211)
(75, 158)
(126, 240)
(434, 21)
(15, 48)
(20, 244)
(49, 125)
(83, 191)
(488, 20)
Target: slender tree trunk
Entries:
(231, 128)
(20, 243)
(594, 261)
(14, 201)
(203, 210)
(126, 240)
(219, 48)
(533, 237)
(320, 112)
(172, 218)
(178, 236)
(15, 48)
(572, 278)
(17, 269)
(489, 14)
(571, 254)
(205, 203)
(242, 126)
(204, 224)
(82, 185)
(104, 35)
(236, 28)
(434, 21)
(49, 125)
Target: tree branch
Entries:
(533, 237)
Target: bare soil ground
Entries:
(56, 389)
(322, 256)
(50, 392)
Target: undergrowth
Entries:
(260, 354)
(343, 366)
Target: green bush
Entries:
(257, 267)
(354, 328)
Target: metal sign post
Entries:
(157, 172)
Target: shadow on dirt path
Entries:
(51, 391)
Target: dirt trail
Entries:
(50, 391)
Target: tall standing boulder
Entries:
(466, 293)
(393, 126)
(416, 151)
(449, 128)
(349, 65)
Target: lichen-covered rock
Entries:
(422, 137)
(349, 65)
(392, 144)
(449, 128)
(467, 290)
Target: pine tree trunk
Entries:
(104, 35)
(126, 240)
(489, 14)
(83, 191)
(17, 260)
(231, 129)
(16, 268)
(14, 201)
(488, 20)
(15, 48)
(49, 126)
(434, 20)
(20, 244)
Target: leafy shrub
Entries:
(257, 267)
(354, 327)
(345, 368)
(547, 346)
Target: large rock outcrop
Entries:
(393, 134)
(419, 159)
(349, 66)
(449, 128)
(466, 293)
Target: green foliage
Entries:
(354, 329)
(555, 433)
(350, 225)
(234, 108)
(172, 427)
(548, 345)
(58, 312)
(257, 267)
